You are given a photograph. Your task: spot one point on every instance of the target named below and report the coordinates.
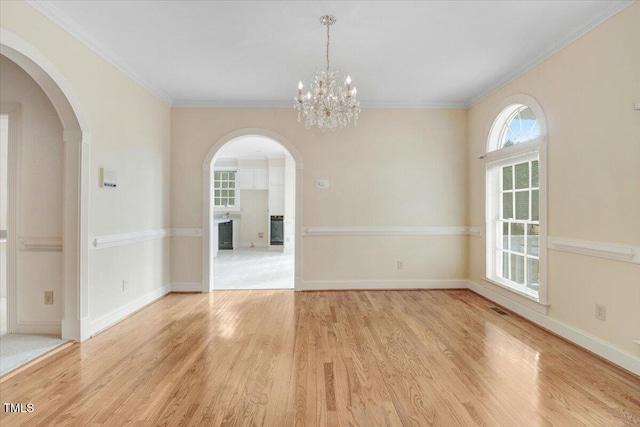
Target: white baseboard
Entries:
(594, 344)
(118, 314)
(39, 327)
(344, 285)
(186, 287)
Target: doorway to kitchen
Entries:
(252, 239)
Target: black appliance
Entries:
(277, 230)
(225, 235)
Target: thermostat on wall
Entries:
(109, 179)
(322, 184)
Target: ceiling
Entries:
(400, 54)
(251, 147)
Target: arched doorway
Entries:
(208, 248)
(75, 239)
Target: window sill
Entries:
(521, 298)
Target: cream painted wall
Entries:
(396, 168)
(587, 91)
(39, 195)
(130, 130)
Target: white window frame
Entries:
(496, 158)
(236, 206)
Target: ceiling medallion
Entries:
(328, 103)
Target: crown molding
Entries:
(413, 105)
(367, 105)
(214, 103)
(50, 11)
(608, 12)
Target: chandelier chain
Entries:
(328, 27)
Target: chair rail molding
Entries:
(614, 251)
(186, 232)
(393, 231)
(40, 244)
(111, 240)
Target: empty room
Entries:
(319, 213)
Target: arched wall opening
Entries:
(75, 239)
(208, 211)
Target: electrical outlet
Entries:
(125, 285)
(400, 265)
(260, 235)
(48, 297)
(601, 312)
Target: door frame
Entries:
(207, 205)
(75, 239)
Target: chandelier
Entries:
(328, 103)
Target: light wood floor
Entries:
(276, 358)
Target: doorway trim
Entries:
(207, 206)
(13, 111)
(75, 230)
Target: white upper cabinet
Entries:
(276, 200)
(261, 179)
(276, 176)
(253, 179)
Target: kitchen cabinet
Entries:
(276, 176)
(276, 191)
(253, 179)
(276, 200)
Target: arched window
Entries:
(515, 198)
(519, 125)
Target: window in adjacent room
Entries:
(515, 200)
(224, 189)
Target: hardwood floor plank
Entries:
(360, 358)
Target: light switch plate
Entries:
(322, 184)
